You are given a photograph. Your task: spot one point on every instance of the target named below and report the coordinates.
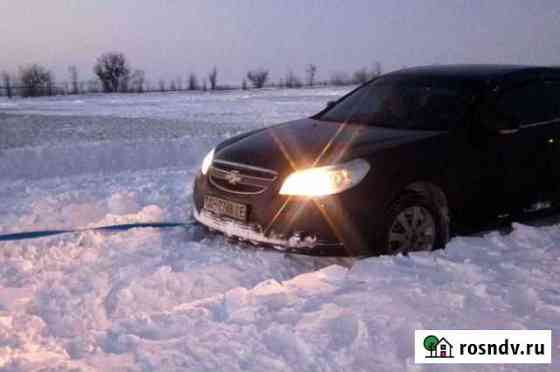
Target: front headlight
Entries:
(207, 162)
(327, 180)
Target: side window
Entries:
(532, 103)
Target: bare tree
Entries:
(179, 83)
(213, 78)
(363, 75)
(258, 77)
(311, 72)
(339, 78)
(172, 86)
(113, 71)
(125, 84)
(73, 71)
(93, 86)
(7, 82)
(51, 89)
(161, 84)
(377, 68)
(193, 82)
(35, 80)
(137, 80)
(360, 76)
(292, 81)
(244, 84)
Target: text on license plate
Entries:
(225, 208)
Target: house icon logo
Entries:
(438, 347)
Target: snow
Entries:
(252, 107)
(179, 299)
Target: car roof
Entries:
(475, 73)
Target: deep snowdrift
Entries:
(153, 300)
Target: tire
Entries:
(415, 222)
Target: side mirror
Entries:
(330, 104)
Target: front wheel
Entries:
(414, 223)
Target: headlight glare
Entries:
(207, 162)
(326, 180)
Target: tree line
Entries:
(114, 74)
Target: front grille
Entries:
(240, 178)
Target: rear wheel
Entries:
(414, 223)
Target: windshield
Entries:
(401, 106)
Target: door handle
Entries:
(508, 131)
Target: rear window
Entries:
(402, 106)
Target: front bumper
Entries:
(297, 243)
(338, 225)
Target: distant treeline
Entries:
(115, 75)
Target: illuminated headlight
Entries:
(207, 162)
(326, 180)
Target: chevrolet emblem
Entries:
(233, 177)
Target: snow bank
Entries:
(96, 200)
(68, 291)
(150, 300)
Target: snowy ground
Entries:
(175, 299)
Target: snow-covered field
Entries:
(176, 299)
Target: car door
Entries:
(549, 139)
(475, 171)
(499, 161)
(510, 161)
(525, 140)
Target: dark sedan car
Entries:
(386, 168)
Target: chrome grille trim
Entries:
(252, 167)
(246, 180)
(218, 176)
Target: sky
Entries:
(172, 38)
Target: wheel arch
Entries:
(436, 194)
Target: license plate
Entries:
(227, 208)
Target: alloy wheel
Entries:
(413, 229)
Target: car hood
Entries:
(309, 142)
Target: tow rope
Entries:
(124, 227)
